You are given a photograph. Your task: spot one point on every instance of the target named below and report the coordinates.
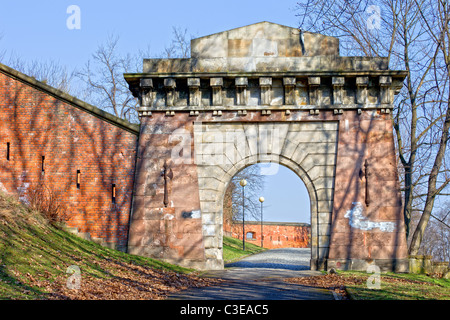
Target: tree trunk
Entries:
(432, 190)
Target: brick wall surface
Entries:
(275, 234)
(36, 124)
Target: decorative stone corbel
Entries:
(361, 89)
(144, 111)
(314, 83)
(289, 90)
(146, 92)
(241, 90)
(194, 91)
(265, 84)
(386, 94)
(170, 85)
(216, 85)
(338, 89)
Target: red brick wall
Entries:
(275, 235)
(35, 123)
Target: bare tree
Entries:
(235, 198)
(435, 17)
(180, 45)
(50, 72)
(436, 240)
(103, 78)
(105, 84)
(2, 52)
(414, 36)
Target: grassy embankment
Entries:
(398, 286)
(355, 285)
(35, 257)
(232, 249)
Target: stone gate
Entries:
(267, 93)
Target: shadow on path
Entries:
(261, 277)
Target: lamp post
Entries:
(261, 199)
(243, 183)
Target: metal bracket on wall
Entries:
(367, 175)
(167, 174)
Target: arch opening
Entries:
(284, 218)
(308, 149)
(276, 205)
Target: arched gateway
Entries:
(267, 93)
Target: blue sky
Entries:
(37, 30)
(285, 197)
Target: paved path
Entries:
(285, 258)
(260, 277)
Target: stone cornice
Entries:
(235, 91)
(133, 77)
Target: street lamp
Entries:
(261, 199)
(243, 183)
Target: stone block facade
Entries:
(80, 153)
(270, 93)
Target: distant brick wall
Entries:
(44, 138)
(275, 234)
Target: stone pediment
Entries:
(264, 39)
(263, 47)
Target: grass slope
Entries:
(232, 249)
(35, 257)
(399, 286)
(356, 285)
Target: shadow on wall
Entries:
(86, 161)
(367, 200)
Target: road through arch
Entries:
(307, 148)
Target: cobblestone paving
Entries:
(286, 258)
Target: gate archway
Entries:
(267, 93)
(276, 206)
(307, 148)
